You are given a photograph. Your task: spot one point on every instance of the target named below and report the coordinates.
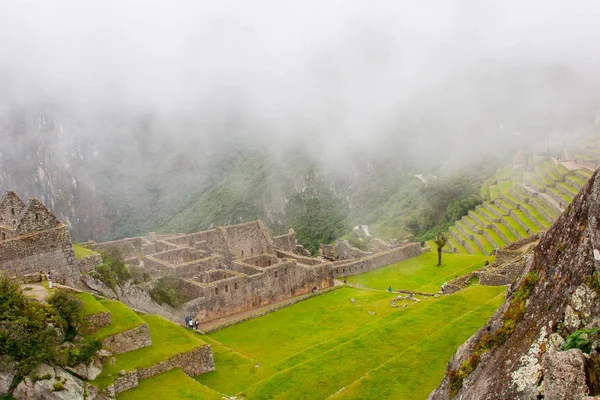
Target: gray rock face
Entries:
(87, 372)
(564, 375)
(49, 383)
(8, 370)
(529, 364)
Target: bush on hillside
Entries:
(166, 291)
(113, 272)
(68, 306)
(30, 332)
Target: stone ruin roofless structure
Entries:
(236, 268)
(32, 239)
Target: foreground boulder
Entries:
(520, 352)
(8, 371)
(49, 383)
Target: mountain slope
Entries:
(517, 354)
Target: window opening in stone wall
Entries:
(269, 262)
(235, 286)
(216, 290)
(3, 236)
(251, 250)
(12, 210)
(275, 274)
(226, 288)
(242, 252)
(37, 217)
(285, 270)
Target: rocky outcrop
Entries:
(89, 371)
(49, 383)
(8, 371)
(518, 353)
(129, 340)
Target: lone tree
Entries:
(440, 242)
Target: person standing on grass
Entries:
(196, 323)
(187, 320)
(390, 289)
(191, 323)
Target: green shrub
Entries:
(113, 272)
(83, 353)
(581, 339)
(166, 291)
(68, 306)
(30, 332)
(139, 274)
(58, 386)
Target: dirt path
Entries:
(35, 291)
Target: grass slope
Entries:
(81, 251)
(420, 273)
(168, 340)
(357, 349)
(91, 306)
(173, 384)
(122, 319)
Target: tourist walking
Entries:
(49, 281)
(196, 323)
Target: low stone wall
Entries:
(490, 279)
(89, 263)
(132, 339)
(195, 362)
(377, 260)
(301, 259)
(96, 321)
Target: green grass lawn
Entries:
(91, 306)
(122, 319)
(316, 347)
(173, 384)
(81, 251)
(420, 273)
(168, 340)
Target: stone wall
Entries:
(286, 242)
(376, 245)
(279, 282)
(11, 207)
(130, 247)
(298, 258)
(91, 323)
(49, 250)
(348, 252)
(377, 260)
(35, 217)
(89, 263)
(129, 340)
(195, 362)
(248, 239)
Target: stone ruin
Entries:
(224, 271)
(232, 269)
(33, 240)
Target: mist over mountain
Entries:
(132, 116)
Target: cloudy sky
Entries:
(351, 70)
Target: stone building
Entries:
(32, 239)
(236, 268)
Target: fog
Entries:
(351, 71)
(428, 82)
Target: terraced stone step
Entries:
(567, 189)
(525, 221)
(496, 240)
(562, 199)
(492, 212)
(480, 219)
(456, 247)
(514, 227)
(470, 238)
(584, 174)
